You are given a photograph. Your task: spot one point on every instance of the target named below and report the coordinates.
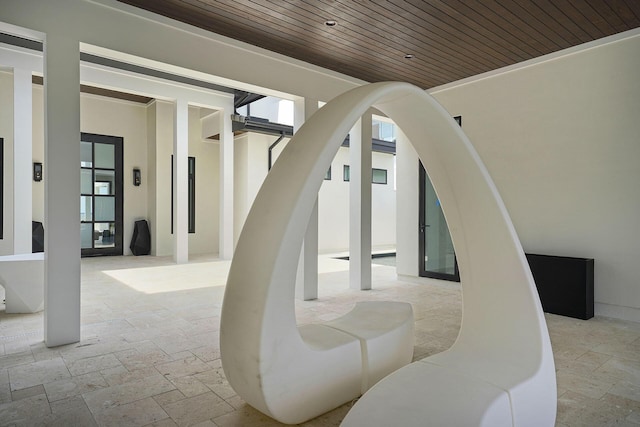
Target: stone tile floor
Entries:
(149, 351)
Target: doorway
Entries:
(101, 188)
(437, 257)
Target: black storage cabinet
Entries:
(565, 284)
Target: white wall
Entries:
(250, 169)
(383, 204)
(37, 189)
(560, 140)
(207, 153)
(333, 208)
(251, 160)
(160, 148)
(6, 132)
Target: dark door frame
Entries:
(422, 225)
(117, 141)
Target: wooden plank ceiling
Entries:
(449, 39)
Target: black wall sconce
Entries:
(37, 171)
(136, 177)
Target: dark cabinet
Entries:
(565, 284)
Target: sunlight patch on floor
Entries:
(171, 278)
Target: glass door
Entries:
(100, 195)
(437, 257)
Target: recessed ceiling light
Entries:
(330, 23)
(408, 56)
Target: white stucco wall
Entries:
(160, 148)
(250, 169)
(560, 140)
(6, 133)
(207, 154)
(383, 204)
(251, 160)
(37, 189)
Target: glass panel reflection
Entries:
(86, 154)
(105, 234)
(86, 211)
(439, 247)
(86, 235)
(105, 209)
(85, 181)
(105, 182)
(105, 155)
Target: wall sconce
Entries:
(37, 171)
(136, 177)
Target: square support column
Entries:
(226, 184)
(62, 191)
(180, 182)
(360, 204)
(407, 231)
(22, 161)
(307, 276)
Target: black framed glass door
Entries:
(101, 207)
(437, 257)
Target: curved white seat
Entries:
(385, 332)
(422, 394)
(294, 375)
(22, 277)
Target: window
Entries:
(274, 109)
(191, 202)
(383, 130)
(192, 194)
(379, 176)
(327, 176)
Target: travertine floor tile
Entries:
(93, 364)
(74, 386)
(183, 367)
(189, 386)
(196, 409)
(138, 413)
(24, 411)
(71, 411)
(27, 392)
(150, 355)
(35, 373)
(122, 394)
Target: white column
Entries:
(307, 276)
(22, 161)
(360, 204)
(62, 191)
(407, 237)
(180, 182)
(226, 184)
